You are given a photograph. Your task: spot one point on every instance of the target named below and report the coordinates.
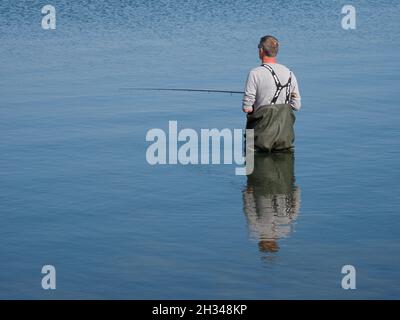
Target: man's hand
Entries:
(248, 109)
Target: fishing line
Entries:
(183, 90)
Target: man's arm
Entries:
(249, 93)
(295, 98)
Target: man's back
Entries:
(261, 87)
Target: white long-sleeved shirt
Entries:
(270, 216)
(260, 87)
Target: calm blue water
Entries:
(76, 190)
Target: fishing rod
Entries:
(183, 90)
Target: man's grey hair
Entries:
(270, 45)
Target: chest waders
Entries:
(273, 123)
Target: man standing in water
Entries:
(271, 95)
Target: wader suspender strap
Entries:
(279, 86)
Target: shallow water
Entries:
(76, 190)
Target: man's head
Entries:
(268, 47)
(268, 246)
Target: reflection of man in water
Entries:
(271, 199)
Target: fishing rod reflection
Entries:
(271, 199)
